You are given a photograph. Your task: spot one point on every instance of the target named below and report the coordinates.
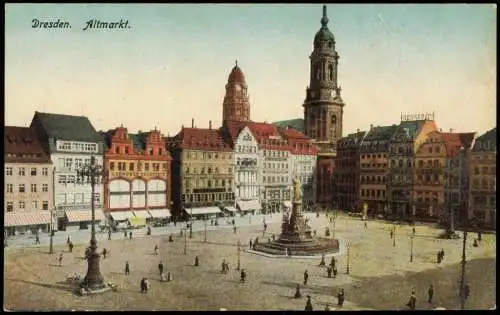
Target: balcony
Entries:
(137, 173)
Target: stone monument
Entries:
(295, 238)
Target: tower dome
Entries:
(236, 75)
(324, 34)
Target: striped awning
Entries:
(143, 214)
(287, 204)
(26, 218)
(203, 210)
(121, 215)
(231, 209)
(160, 213)
(84, 215)
(249, 205)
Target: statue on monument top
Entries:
(297, 190)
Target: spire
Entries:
(236, 62)
(324, 20)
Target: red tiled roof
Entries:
(21, 145)
(454, 141)
(200, 139)
(299, 143)
(236, 76)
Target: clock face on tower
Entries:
(238, 88)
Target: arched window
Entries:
(334, 119)
(317, 69)
(330, 71)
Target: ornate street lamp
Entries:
(239, 251)
(411, 248)
(348, 252)
(93, 281)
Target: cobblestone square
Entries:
(381, 276)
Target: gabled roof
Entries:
(380, 133)
(200, 139)
(299, 143)
(455, 141)
(21, 145)
(67, 127)
(297, 124)
(486, 141)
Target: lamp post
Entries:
(191, 225)
(239, 251)
(205, 226)
(348, 252)
(411, 248)
(462, 280)
(185, 241)
(51, 248)
(92, 173)
(394, 235)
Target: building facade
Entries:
(347, 171)
(374, 169)
(203, 171)
(138, 171)
(482, 170)
(456, 175)
(28, 182)
(324, 108)
(304, 163)
(71, 141)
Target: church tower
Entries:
(236, 105)
(323, 106)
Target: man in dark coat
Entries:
(309, 306)
(334, 269)
(160, 268)
(430, 293)
(333, 262)
(130, 235)
(127, 268)
(306, 277)
(297, 295)
(196, 261)
(329, 271)
(340, 298)
(322, 262)
(70, 247)
(243, 276)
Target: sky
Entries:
(173, 62)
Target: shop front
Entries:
(82, 219)
(26, 223)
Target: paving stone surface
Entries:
(381, 275)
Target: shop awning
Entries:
(84, 215)
(160, 213)
(287, 204)
(249, 205)
(121, 215)
(26, 218)
(231, 209)
(202, 210)
(143, 214)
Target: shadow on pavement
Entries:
(63, 287)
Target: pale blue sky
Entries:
(173, 64)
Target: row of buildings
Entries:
(412, 168)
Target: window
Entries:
(430, 149)
(45, 171)
(62, 179)
(21, 205)
(33, 188)
(10, 206)
(45, 205)
(45, 188)
(68, 162)
(150, 151)
(8, 171)
(21, 171)
(21, 188)
(117, 149)
(10, 188)
(33, 171)
(34, 205)
(112, 166)
(126, 150)
(131, 166)
(146, 166)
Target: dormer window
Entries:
(126, 150)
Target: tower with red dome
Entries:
(236, 105)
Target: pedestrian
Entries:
(466, 290)
(475, 244)
(127, 268)
(156, 249)
(233, 222)
(130, 235)
(223, 266)
(297, 294)
(68, 240)
(196, 261)
(227, 267)
(211, 221)
(430, 293)
(37, 239)
(412, 302)
(104, 253)
(414, 231)
(60, 259)
(442, 254)
(306, 277)
(125, 233)
(71, 247)
(234, 229)
(149, 230)
(309, 306)
(273, 236)
(243, 276)
(329, 271)
(170, 239)
(333, 262)
(160, 268)
(366, 225)
(340, 298)
(479, 238)
(265, 227)
(334, 269)
(109, 234)
(322, 262)
(392, 234)
(250, 244)
(439, 257)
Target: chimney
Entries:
(371, 126)
(192, 122)
(451, 130)
(210, 124)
